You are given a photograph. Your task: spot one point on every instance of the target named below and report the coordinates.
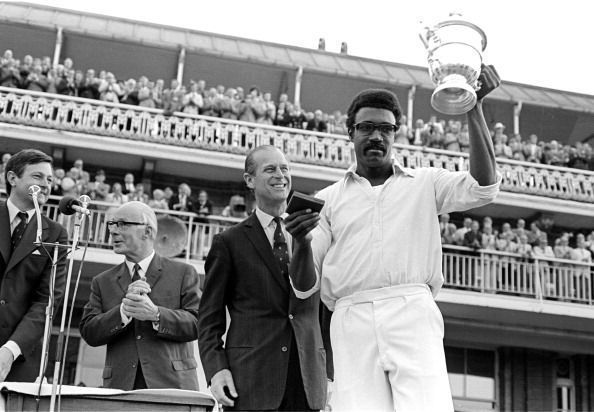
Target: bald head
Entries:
(142, 211)
(134, 230)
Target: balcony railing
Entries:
(209, 133)
(485, 271)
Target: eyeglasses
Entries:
(121, 224)
(367, 128)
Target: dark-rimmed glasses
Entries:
(121, 224)
(367, 128)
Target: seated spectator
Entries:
(98, 189)
(183, 201)
(139, 195)
(562, 249)
(473, 237)
(192, 102)
(203, 206)
(158, 201)
(236, 208)
(69, 187)
(543, 250)
(317, 124)
(116, 196)
(168, 192)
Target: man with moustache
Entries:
(377, 252)
(273, 357)
(145, 309)
(25, 268)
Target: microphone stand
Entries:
(79, 219)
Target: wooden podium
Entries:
(18, 397)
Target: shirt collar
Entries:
(396, 167)
(13, 211)
(264, 218)
(144, 264)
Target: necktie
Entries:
(280, 249)
(17, 234)
(135, 275)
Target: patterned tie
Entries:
(135, 275)
(17, 234)
(280, 249)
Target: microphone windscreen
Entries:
(66, 204)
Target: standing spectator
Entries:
(168, 193)
(157, 93)
(520, 228)
(447, 237)
(444, 221)
(402, 135)
(473, 237)
(460, 232)
(210, 106)
(464, 139)
(145, 93)
(516, 148)
(562, 249)
(542, 249)
(283, 116)
(534, 234)
(26, 66)
(524, 248)
(532, 151)
(297, 116)
(498, 133)
(435, 133)
(129, 185)
(89, 86)
(5, 159)
(270, 107)
(79, 165)
(581, 253)
(317, 124)
(36, 81)
(66, 84)
(228, 104)
(488, 238)
(451, 141)
(130, 93)
(109, 89)
(10, 75)
(172, 98)
(420, 136)
(59, 175)
(193, 101)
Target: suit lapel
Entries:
(154, 271)
(27, 243)
(4, 233)
(257, 237)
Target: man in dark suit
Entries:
(183, 200)
(145, 310)
(273, 357)
(25, 269)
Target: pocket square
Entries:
(36, 252)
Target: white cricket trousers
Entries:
(388, 352)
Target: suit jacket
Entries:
(242, 276)
(167, 354)
(191, 203)
(24, 290)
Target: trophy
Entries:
(454, 48)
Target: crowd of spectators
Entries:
(256, 106)
(529, 242)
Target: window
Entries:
(564, 388)
(472, 378)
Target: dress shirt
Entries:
(269, 226)
(13, 212)
(143, 267)
(370, 238)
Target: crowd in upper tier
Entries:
(253, 105)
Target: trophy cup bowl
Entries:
(454, 53)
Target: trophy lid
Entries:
(457, 18)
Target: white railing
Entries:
(199, 231)
(491, 271)
(232, 136)
(486, 271)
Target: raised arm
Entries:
(482, 155)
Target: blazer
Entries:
(167, 354)
(24, 290)
(243, 277)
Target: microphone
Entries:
(69, 206)
(34, 191)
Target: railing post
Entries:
(189, 239)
